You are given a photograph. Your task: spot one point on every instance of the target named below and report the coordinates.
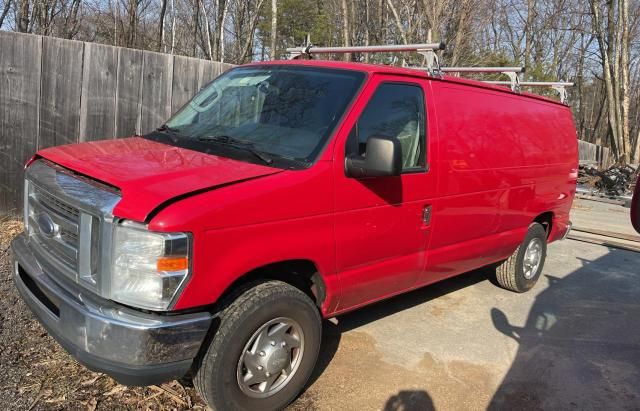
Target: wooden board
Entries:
(61, 87)
(156, 90)
(606, 233)
(601, 199)
(20, 64)
(207, 71)
(99, 81)
(604, 241)
(129, 95)
(185, 81)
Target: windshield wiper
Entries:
(170, 131)
(241, 144)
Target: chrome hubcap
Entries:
(271, 357)
(532, 258)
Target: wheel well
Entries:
(546, 219)
(302, 274)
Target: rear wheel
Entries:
(264, 350)
(521, 270)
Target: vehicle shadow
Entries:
(332, 330)
(410, 400)
(580, 345)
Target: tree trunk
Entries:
(380, 32)
(367, 34)
(398, 22)
(133, 23)
(624, 84)
(246, 49)
(219, 40)
(163, 12)
(274, 27)
(5, 11)
(173, 26)
(196, 20)
(207, 29)
(72, 22)
(528, 33)
(23, 16)
(607, 71)
(597, 138)
(345, 28)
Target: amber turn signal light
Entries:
(172, 263)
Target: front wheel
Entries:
(521, 270)
(264, 350)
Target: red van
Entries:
(281, 194)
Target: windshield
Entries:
(279, 112)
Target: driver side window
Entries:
(395, 110)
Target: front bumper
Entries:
(133, 347)
(568, 230)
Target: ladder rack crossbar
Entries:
(533, 83)
(366, 49)
(482, 69)
(559, 86)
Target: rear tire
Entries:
(521, 270)
(264, 350)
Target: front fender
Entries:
(224, 255)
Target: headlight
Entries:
(148, 268)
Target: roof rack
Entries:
(511, 72)
(426, 49)
(559, 86)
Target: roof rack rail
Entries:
(483, 69)
(511, 72)
(559, 86)
(426, 49)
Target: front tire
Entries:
(264, 350)
(521, 270)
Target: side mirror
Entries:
(383, 157)
(635, 207)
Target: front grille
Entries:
(57, 205)
(69, 223)
(63, 243)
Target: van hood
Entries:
(149, 174)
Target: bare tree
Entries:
(595, 43)
(161, 32)
(5, 10)
(346, 34)
(274, 27)
(23, 16)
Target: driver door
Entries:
(382, 223)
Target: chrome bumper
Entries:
(134, 347)
(566, 233)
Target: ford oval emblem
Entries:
(46, 225)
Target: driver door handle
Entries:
(426, 215)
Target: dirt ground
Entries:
(37, 374)
(573, 342)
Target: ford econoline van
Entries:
(284, 193)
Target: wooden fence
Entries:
(55, 91)
(590, 153)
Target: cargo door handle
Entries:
(426, 215)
